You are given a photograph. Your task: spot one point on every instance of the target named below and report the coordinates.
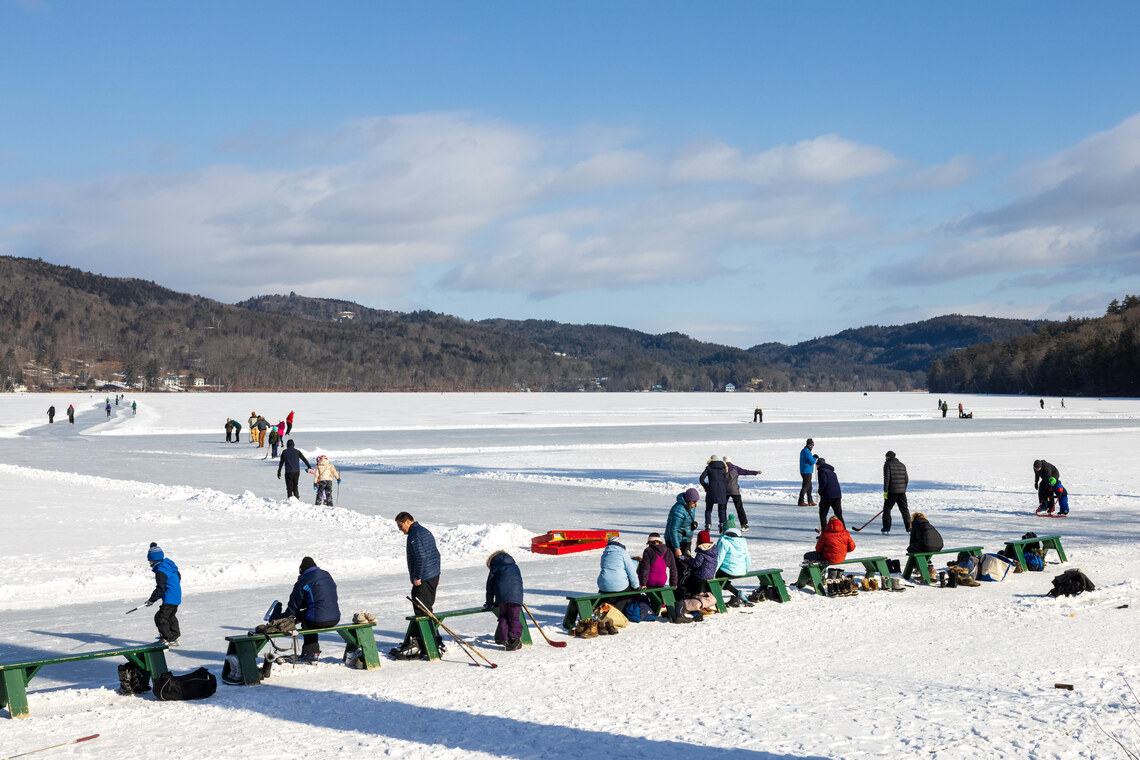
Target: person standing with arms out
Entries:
(168, 588)
(714, 480)
(51, 414)
(830, 494)
(291, 459)
(289, 423)
(323, 476)
(807, 467)
(314, 604)
(71, 413)
(895, 481)
(732, 486)
(423, 570)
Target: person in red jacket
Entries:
(834, 543)
(289, 423)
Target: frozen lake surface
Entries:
(937, 673)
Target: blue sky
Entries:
(739, 172)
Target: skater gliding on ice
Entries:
(732, 486)
(714, 480)
(895, 481)
(291, 459)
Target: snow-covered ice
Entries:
(932, 673)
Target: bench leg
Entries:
(156, 663)
(879, 566)
(909, 569)
(247, 659)
(1056, 544)
(570, 619)
(1019, 550)
(812, 574)
(715, 587)
(525, 628)
(425, 629)
(777, 580)
(16, 693)
(365, 641)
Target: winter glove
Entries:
(338, 481)
(279, 476)
(314, 486)
(149, 603)
(884, 494)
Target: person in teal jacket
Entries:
(681, 523)
(733, 559)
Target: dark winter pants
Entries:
(229, 434)
(729, 586)
(892, 500)
(686, 548)
(324, 492)
(291, 480)
(288, 428)
(425, 595)
(166, 622)
(739, 503)
(71, 418)
(1045, 494)
(721, 513)
(311, 645)
(510, 623)
(835, 505)
(805, 490)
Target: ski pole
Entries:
(338, 492)
(129, 612)
(870, 521)
(54, 746)
(463, 644)
(539, 627)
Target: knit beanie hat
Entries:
(714, 458)
(692, 495)
(890, 454)
(810, 442)
(154, 553)
(730, 522)
(819, 461)
(306, 563)
(704, 538)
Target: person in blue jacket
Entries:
(505, 589)
(807, 467)
(168, 588)
(313, 603)
(423, 570)
(681, 523)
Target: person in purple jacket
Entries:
(505, 591)
(702, 566)
(732, 487)
(659, 568)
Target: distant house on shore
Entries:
(729, 388)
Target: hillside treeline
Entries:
(879, 358)
(62, 327)
(1090, 357)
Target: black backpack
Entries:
(196, 685)
(133, 679)
(1071, 583)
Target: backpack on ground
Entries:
(133, 679)
(1071, 583)
(1034, 562)
(995, 567)
(611, 613)
(196, 685)
(632, 611)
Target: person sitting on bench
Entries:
(832, 545)
(313, 603)
(923, 536)
(619, 572)
(733, 560)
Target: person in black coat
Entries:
(505, 589)
(314, 604)
(1045, 476)
(714, 480)
(895, 480)
(923, 536)
(830, 494)
(291, 459)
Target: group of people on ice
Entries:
(71, 410)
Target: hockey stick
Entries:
(463, 644)
(539, 627)
(869, 521)
(54, 746)
(132, 610)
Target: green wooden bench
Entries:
(17, 675)
(583, 606)
(920, 561)
(813, 574)
(426, 629)
(1047, 543)
(357, 636)
(770, 577)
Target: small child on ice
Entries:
(323, 476)
(505, 589)
(168, 588)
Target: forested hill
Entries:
(869, 358)
(61, 328)
(1090, 357)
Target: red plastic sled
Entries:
(570, 541)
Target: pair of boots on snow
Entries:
(591, 628)
(838, 584)
(956, 576)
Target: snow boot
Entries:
(590, 631)
(733, 602)
(698, 616)
(514, 645)
(941, 579)
(896, 585)
(965, 579)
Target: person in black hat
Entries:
(807, 466)
(290, 460)
(894, 491)
(830, 494)
(313, 603)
